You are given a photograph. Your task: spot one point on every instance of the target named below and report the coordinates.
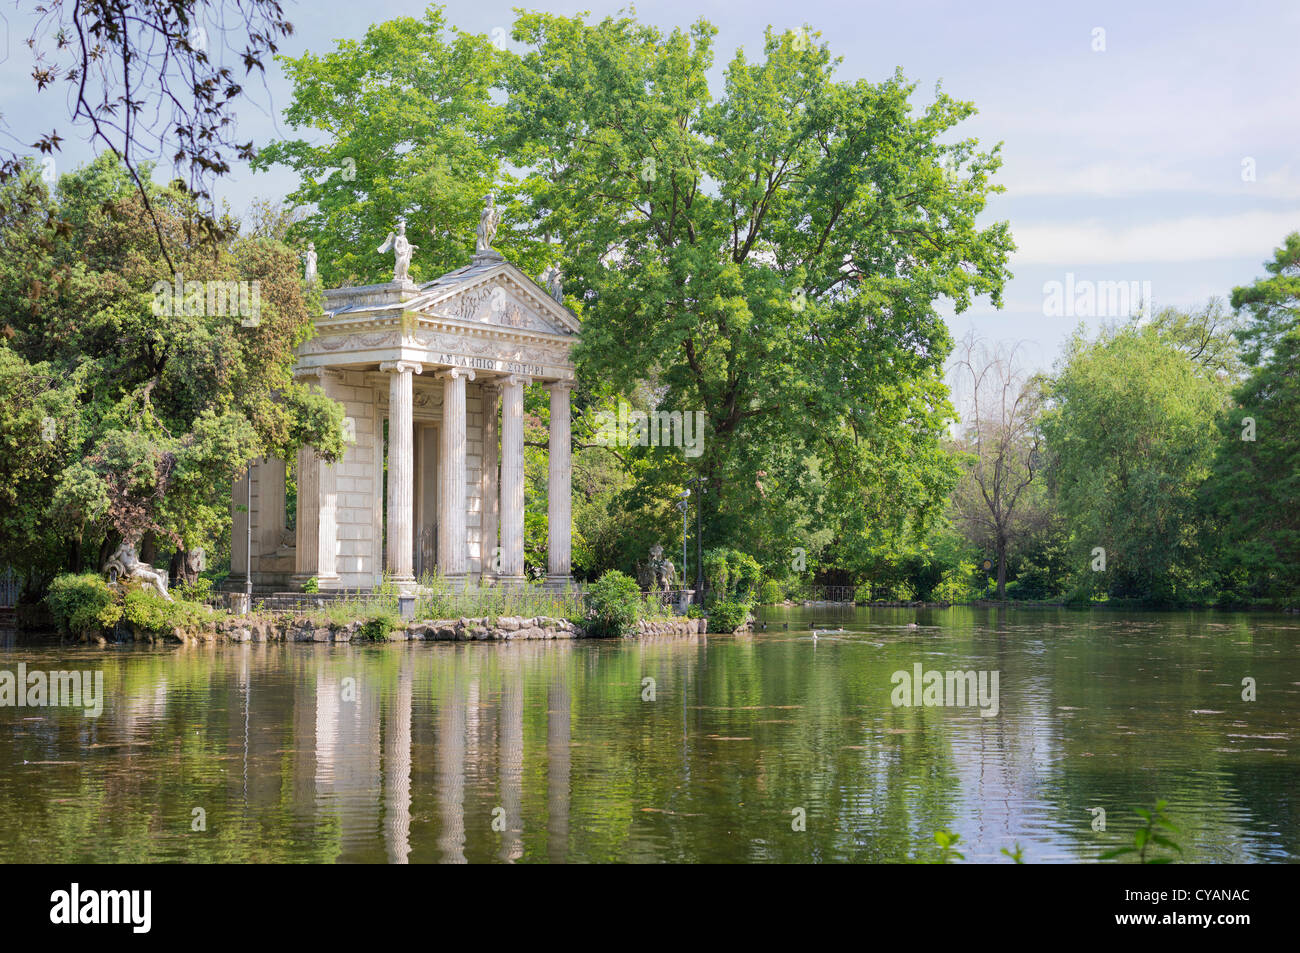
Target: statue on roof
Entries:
(554, 279)
(487, 226)
(311, 263)
(402, 249)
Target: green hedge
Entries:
(728, 615)
(83, 603)
(614, 604)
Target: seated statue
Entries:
(664, 573)
(126, 564)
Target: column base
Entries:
(323, 580)
(560, 581)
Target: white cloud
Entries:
(1194, 238)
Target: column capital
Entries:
(400, 367)
(320, 373)
(522, 379)
(559, 386)
(451, 373)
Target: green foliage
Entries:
(145, 610)
(311, 585)
(735, 214)
(1149, 836)
(1273, 303)
(200, 591)
(728, 615)
(1017, 855)
(615, 604)
(128, 410)
(82, 604)
(378, 628)
(408, 115)
(1131, 435)
(772, 592)
(731, 574)
(947, 842)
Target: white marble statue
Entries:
(126, 564)
(311, 263)
(554, 279)
(487, 226)
(402, 249)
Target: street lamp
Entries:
(684, 506)
(698, 484)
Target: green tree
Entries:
(1273, 303)
(407, 120)
(1132, 431)
(134, 407)
(773, 258)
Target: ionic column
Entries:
(491, 499)
(559, 502)
(453, 544)
(512, 477)
(314, 556)
(401, 471)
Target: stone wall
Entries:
(286, 627)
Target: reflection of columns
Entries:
(559, 507)
(512, 477)
(557, 770)
(316, 531)
(401, 470)
(397, 771)
(453, 545)
(450, 784)
(511, 755)
(491, 500)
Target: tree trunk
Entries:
(148, 548)
(1002, 570)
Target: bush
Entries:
(772, 593)
(378, 628)
(83, 603)
(311, 585)
(732, 574)
(201, 591)
(728, 615)
(614, 603)
(145, 610)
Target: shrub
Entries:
(201, 591)
(83, 603)
(311, 585)
(772, 592)
(614, 603)
(378, 628)
(145, 610)
(728, 615)
(732, 574)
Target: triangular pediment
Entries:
(495, 293)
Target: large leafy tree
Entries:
(1132, 432)
(1272, 303)
(401, 124)
(772, 258)
(1255, 487)
(124, 418)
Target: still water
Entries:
(565, 752)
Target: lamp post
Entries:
(248, 544)
(698, 484)
(684, 506)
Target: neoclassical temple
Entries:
(432, 380)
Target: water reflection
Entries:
(555, 752)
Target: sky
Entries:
(1142, 142)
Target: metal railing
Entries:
(11, 585)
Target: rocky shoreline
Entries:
(289, 627)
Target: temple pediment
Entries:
(494, 293)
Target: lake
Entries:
(696, 749)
